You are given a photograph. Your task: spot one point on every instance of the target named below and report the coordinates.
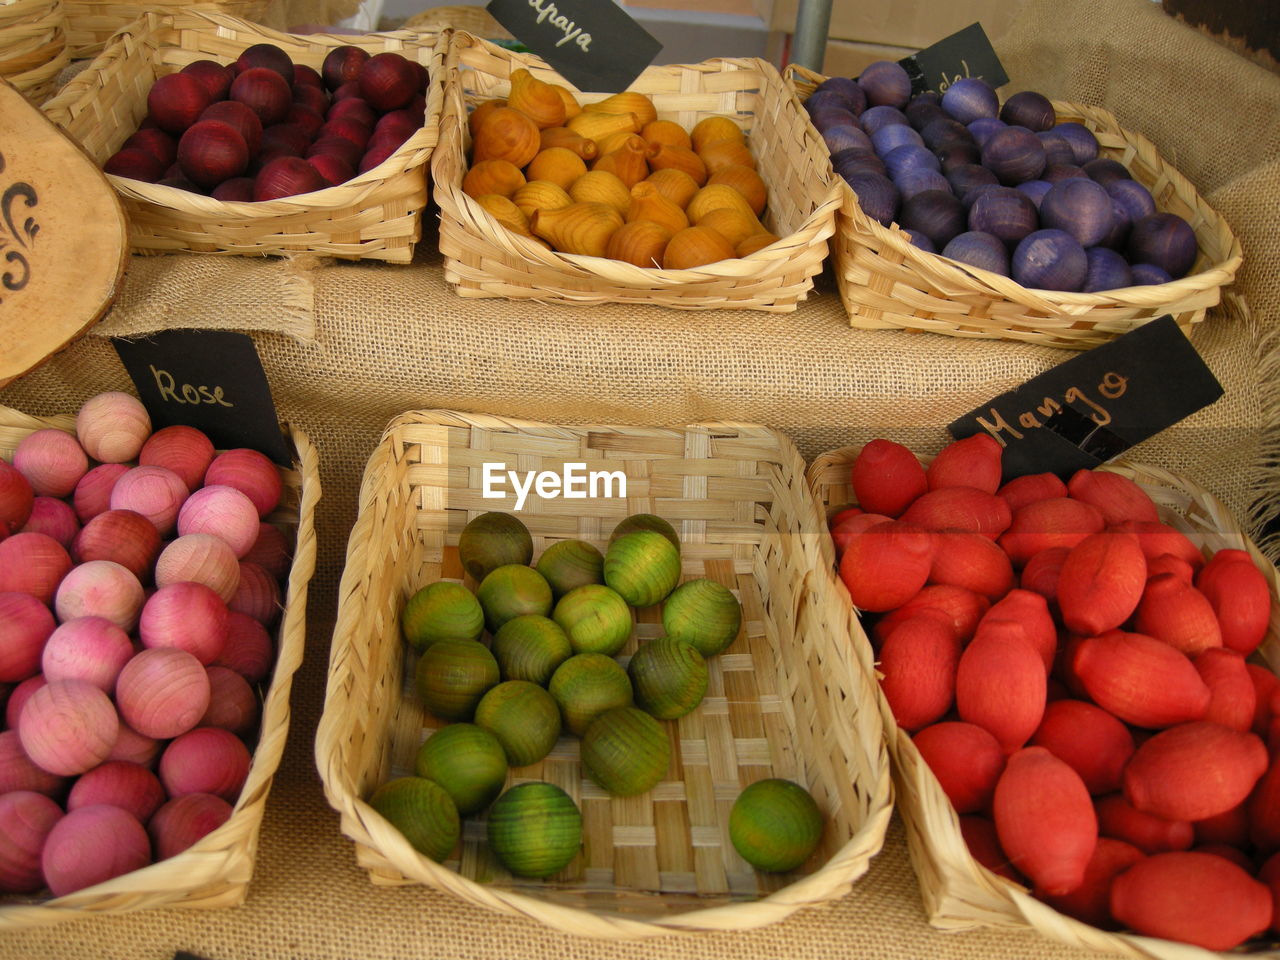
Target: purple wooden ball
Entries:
(981, 190)
(1148, 274)
(909, 156)
(953, 153)
(873, 118)
(967, 176)
(885, 83)
(983, 127)
(1079, 206)
(1133, 197)
(844, 138)
(1053, 172)
(1035, 189)
(824, 118)
(1056, 147)
(1083, 143)
(846, 88)
(827, 100)
(970, 98)
(855, 159)
(1107, 270)
(1005, 213)
(938, 214)
(893, 136)
(1050, 260)
(1163, 239)
(1106, 171)
(920, 241)
(945, 130)
(980, 250)
(877, 196)
(1029, 109)
(1014, 154)
(920, 111)
(911, 182)
(1121, 224)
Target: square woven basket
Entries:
(484, 259)
(887, 283)
(374, 216)
(215, 871)
(788, 698)
(958, 892)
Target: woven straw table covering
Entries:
(348, 346)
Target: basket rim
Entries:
(226, 856)
(911, 773)
(818, 225)
(844, 867)
(142, 34)
(1219, 274)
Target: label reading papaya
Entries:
(1099, 403)
(595, 45)
(966, 53)
(208, 379)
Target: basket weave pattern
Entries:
(216, 870)
(786, 699)
(33, 46)
(886, 282)
(91, 23)
(375, 215)
(484, 259)
(958, 892)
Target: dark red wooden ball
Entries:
(264, 92)
(300, 115)
(388, 81)
(156, 142)
(266, 56)
(305, 76)
(175, 101)
(238, 189)
(287, 177)
(241, 117)
(314, 97)
(354, 107)
(374, 157)
(212, 151)
(339, 146)
(348, 129)
(215, 77)
(135, 163)
(284, 140)
(342, 65)
(332, 167)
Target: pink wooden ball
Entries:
(155, 492)
(257, 594)
(271, 551)
(19, 772)
(250, 472)
(53, 517)
(68, 727)
(224, 512)
(129, 786)
(205, 760)
(249, 650)
(186, 615)
(33, 563)
(162, 693)
(124, 536)
(113, 426)
(184, 450)
(25, 625)
(92, 495)
(200, 558)
(16, 497)
(52, 460)
(232, 703)
(18, 698)
(100, 588)
(92, 649)
(92, 845)
(134, 747)
(26, 817)
(183, 820)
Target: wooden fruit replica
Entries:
(523, 717)
(595, 618)
(530, 647)
(535, 829)
(441, 611)
(668, 676)
(571, 563)
(626, 751)
(1108, 718)
(510, 591)
(586, 685)
(468, 761)
(453, 675)
(643, 567)
(421, 810)
(603, 175)
(493, 540)
(645, 521)
(775, 825)
(287, 149)
(703, 613)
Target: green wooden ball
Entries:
(468, 761)
(775, 825)
(423, 811)
(587, 684)
(669, 677)
(625, 751)
(452, 676)
(643, 567)
(571, 563)
(534, 829)
(441, 611)
(530, 647)
(523, 717)
(646, 521)
(512, 591)
(595, 618)
(704, 613)
(493, 540)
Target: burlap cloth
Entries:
(348, 346)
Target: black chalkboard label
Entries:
(209, 379)
(1098, 404)
(966, 53)
(592, 43)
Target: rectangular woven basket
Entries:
(484, 259)
(375, 215)
(887, 283)
(215, 871)
(958, 892)
(786, 699)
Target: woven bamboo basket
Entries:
(958, 892)
(484, 259)
(787, 698)
(476, 21)
(33, 46)
(887, 283)
(91, 23)
(375, 215)
(214, 872)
